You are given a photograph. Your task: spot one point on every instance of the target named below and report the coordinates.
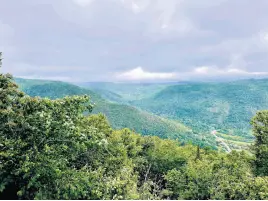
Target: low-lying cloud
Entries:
(215, 71)
(139, 74)
(203, 72)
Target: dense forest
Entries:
(120, 115)
(58, 149)
(226, 106)
(203, 106)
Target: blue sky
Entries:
(134, 40)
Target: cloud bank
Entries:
(139, 74)
(205, 72)
(147, 40)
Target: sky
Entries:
(134, 40)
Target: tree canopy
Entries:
(50, 149)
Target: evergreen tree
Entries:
(198, 154)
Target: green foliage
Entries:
(192, 182)
(125, 92)
(119, 115)
(203, 107)
(225, 178)
(260, 131)
(49, 149)
(211, 106)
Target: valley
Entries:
(119, 115)
(189, 112)
(206, 106)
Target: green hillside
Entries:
(54, 89)
(125, 92)
(119, 115)
(226, 107)
(51, 150)
(110, 96)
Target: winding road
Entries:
(221, 140)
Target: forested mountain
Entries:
(227, 107)
(205, 107)
(223, 106)
(125, 92)
(56, 149)
(119, 115)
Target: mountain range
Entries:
(119, 115)
(188, 111)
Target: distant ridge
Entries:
(119, 115)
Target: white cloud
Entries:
(201, 70)
(136, 6)
(216, 71)
(83, 3)
(182, 38)
(157, 18)
(139, 74)
(198, 72)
